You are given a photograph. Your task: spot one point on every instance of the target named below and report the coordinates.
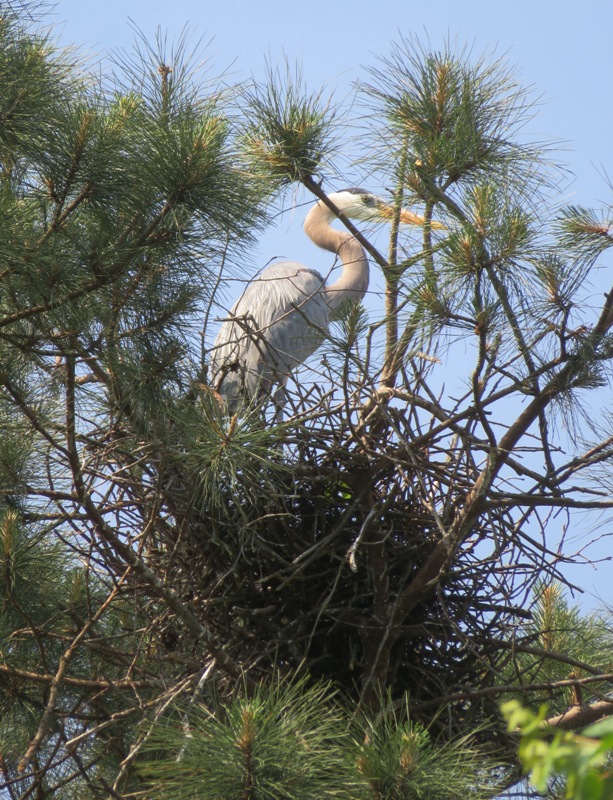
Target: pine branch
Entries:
(579, 716)
(515, 688)
(58, 679)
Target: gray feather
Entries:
(277, 323)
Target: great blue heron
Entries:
(284, 313)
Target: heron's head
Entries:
(363, 205)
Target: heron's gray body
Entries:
(278, 322)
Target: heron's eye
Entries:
(368, 200)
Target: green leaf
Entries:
(603, 729)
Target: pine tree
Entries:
(351, 591)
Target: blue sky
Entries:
(562, 50)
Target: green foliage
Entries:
(288, 134)
(281, 743)
(454, 115)
(101, 239)
(157, 551)
(584, 760)
(45, 599)
(399, 761)
(26, 561)
(558, 640)
(117, 207)
(447, 123)
(32, 75)
(586, 231)
(234, 460)
(291, 740)
(559, 627)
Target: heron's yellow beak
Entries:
(408, 217)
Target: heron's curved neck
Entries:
(353, 281)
